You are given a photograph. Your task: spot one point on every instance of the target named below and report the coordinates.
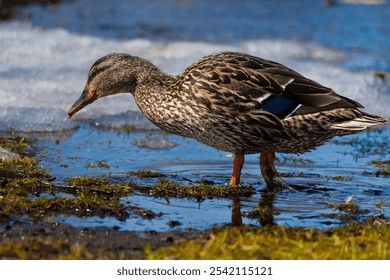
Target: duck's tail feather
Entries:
(360, 123)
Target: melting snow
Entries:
(43, 71)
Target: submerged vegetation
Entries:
(166, 188)
(295, 160)
(371, 145)
(27, 189)
(348, 207)
(145, 174)
(16, 144)
(384, 167)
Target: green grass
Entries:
(46, 247)
(281, 243)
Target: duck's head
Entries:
(111, 74)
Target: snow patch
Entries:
(42, 72)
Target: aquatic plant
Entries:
(384, 167)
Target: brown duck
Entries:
(234, 102)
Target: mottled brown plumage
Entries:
(233, 102)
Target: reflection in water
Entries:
(236, 212)
(267, 205)
(264, 212)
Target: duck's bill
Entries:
(85, 99)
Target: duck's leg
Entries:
(269, 172)
(238, 163)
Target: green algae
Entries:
(146, 214)
(261, 212)
(342, 178)
(16, 144)
(273, 243)
(145, 174)
(294, 160)
(92, 185)
(168, 188)
(28, 189)
(19, 178)
(371, 145)
(384, 167)
(25, 190)
(102, 164)
(22, 168)
(348, 207)
(125, 130)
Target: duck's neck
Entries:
(155, 94)
(153, 84)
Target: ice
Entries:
(5, 154)
(33, 119)
(43, 71)
(154, 143)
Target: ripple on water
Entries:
(323, 178)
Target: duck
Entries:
(234, 102)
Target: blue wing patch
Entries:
(280, 106)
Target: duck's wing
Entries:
(246, 83)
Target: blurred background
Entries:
(53, 43)
(352, 25)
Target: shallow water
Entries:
(47, 51)
(339, 170)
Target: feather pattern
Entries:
(234, 102)
(244, 104)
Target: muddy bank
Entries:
(45, 240)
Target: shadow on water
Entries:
(338, 183)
